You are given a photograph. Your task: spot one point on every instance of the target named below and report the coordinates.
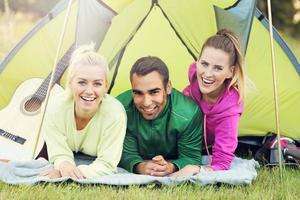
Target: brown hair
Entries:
(146, 65)
(228, 41)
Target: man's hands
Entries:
(65, 169)
(158, 166)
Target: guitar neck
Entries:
(58, 72)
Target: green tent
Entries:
(173, 30)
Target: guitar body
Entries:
(20, 121)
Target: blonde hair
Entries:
(228, 42)
(82, 56)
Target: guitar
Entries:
(19, 120)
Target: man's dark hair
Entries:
(146, 65)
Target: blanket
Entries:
(241, 172)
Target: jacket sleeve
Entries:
(57, 146)
(130, 155)
(226, 133)
(109, 149)
(190, 143)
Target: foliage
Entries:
(266, 186)
(283, 13)
(13, 27)
(38, 7)
(293, 43)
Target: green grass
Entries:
(266, 186)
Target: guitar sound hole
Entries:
(33, 104)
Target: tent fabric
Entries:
(258, 118)
(259, 114)
(34, 55)
(98, 15)
(60, 6)
(173, 30)
(162, 42)
(116, 5)
(280, 41)
(125, 28)
(238, 18)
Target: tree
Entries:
(283, 12)
(37, 7)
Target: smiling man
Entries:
(164, 128)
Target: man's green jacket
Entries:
(176, 133)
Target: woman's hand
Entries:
(4, 161)
(190, 170)
(69, 170)
(52, 173)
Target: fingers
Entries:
(158, 167)
(159, 173)
(44, 173)
(74, 173)
(78, 174)
(159, 160)
(148, 167)
(65, 170)
(155, 169)
(181, 173)
(189, 170)
(53, 173)
(175, 174)
(4, 161)
(69, 170)
(208, 168)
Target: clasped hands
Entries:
(65, 169)
(158, 166)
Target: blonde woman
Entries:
(85, 119)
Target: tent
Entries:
(174, 30)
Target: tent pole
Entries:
(275, 89)
(52, 76)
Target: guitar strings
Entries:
(34, 103)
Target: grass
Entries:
(266, 186)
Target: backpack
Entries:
(268, 153)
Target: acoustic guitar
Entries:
(20, 119)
